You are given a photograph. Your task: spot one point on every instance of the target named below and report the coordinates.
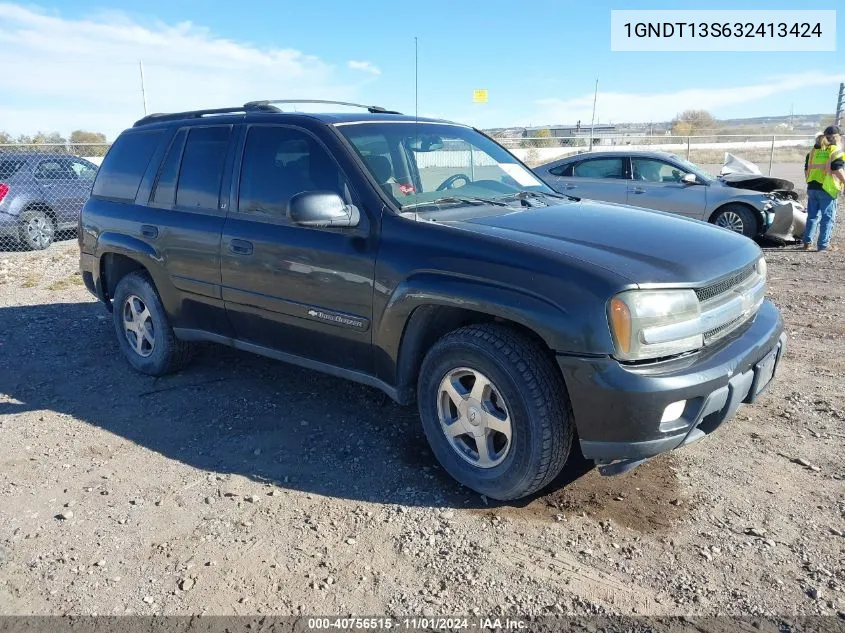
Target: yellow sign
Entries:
(479, 96)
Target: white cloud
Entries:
(367, 67)
(663, 106)
(62, 74)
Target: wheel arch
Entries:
(427, 309)
(40, 205)
(758, 215)
(119, 255)
(427, 324)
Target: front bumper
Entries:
(618, 408)
(787, 222)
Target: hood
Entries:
(646, 247)
(756, 182)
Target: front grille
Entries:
(723, 330)
(724, 285)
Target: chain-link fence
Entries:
(42, 190)
(764, 150)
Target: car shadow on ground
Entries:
(229, 412)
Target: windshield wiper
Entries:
(525, 195)
(456, 200)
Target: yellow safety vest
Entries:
(818, 169)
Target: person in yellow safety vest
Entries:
(824, 169)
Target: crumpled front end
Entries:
(788, 219)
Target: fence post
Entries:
(688, 150)
(772, 155)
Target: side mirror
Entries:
(689, 179)
(322, 209)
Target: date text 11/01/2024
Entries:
(418, 624)
(723, 29)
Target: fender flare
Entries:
(109, 243)
(402, 325)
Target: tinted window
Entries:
(279, 163)
(650, 170)
(202, 167)
(165, 188)
(9, 168)
(600, 168)
(125, 163)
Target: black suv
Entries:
(420, 257)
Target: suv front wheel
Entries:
(143, 331)
(495, 411)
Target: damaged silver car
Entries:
(747, 203)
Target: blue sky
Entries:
(75, 63)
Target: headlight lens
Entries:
(649, 324)
(762, 267)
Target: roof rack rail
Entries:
(196, 114)
(373, 109)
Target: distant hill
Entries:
(783, 124)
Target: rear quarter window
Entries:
(123, 167)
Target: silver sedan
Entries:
(749, 204)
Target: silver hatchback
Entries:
(749, 204)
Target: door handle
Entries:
(569, 186)
(240, 247)
(638, 190)
(150, 231)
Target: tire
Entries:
(525, 388)
(159, 351)
(36, 230)
(737, 218)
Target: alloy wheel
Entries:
(474, 417)
(730, 220)
(138, 326)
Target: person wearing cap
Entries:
(824, 169)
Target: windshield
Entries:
(425, 165)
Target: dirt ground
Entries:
(245, 486)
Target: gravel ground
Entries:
(245, 486)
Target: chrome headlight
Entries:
(647, 324)
(655, 323)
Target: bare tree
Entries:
(691, 122)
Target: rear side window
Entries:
(202, 167)
(54, 169)
(123, 167)
(9, 168)
(165, 189)
(600, 168)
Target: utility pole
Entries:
(840, 104)
(143, 90)
(593, 120)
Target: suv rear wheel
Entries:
(36, 229)
(143, 331)
(495, 411)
